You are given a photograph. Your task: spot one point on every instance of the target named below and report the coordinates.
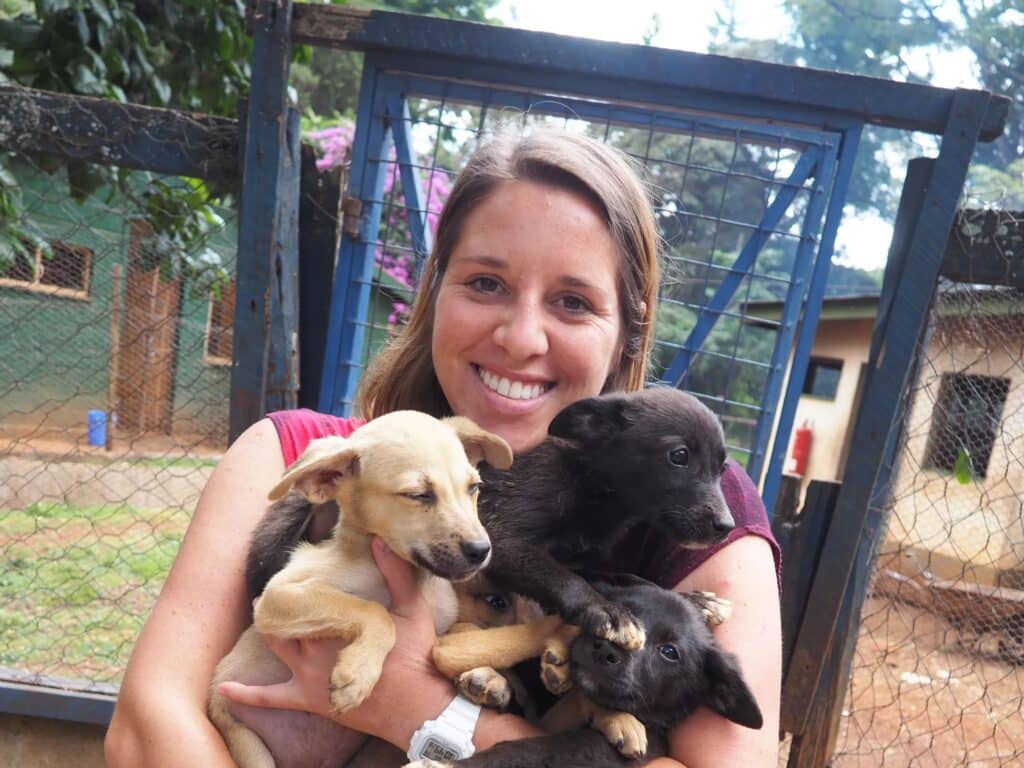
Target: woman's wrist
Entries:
(424, 700)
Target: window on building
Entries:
(219, 325)
(822, 379)
(62, 270)
(966, 418)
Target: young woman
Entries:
(540, 291)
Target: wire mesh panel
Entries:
(116, 307)
(739, 208)
(938, 672)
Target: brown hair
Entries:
(402, 375)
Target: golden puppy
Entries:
(406, 477)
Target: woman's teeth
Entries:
(514, 390)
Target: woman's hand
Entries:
(409, 691)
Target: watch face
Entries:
(438, 750)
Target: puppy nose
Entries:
(605, 653)
(723, 526)
(475, 551)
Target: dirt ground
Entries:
(920, 698)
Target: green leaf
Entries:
(20, 32)
(99, 7)
(82, 25)
(963, 467)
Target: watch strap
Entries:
(461, 714)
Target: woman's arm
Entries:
(743, 572)
(160, 718)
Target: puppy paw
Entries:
(713, 608)
(554, 669)
(349, 688)
(613, 623)
(624, 732)
(485, 686)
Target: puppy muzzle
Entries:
(455, 561)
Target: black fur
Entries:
(285, 524)
(612, 463)
(605, 469)
(657, 690)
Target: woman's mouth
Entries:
(511, 388)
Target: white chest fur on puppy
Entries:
(405, 477)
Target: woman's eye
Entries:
(485, 284)
(497, 602)
(575, 304)
(668, 652)
(679, 456)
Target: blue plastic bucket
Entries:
(97, 427)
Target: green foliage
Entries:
(189, 54)
(18, 237)
(963, 467)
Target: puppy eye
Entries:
(668, 652)
(423, 497)
(497, 602)
(474, 489)
(679, 456)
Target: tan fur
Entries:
(620, 728)
(334, 588)
(500, 648)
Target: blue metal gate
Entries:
(747, 210)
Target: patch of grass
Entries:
(174, 462)
(76, 584)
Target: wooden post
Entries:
(114, 358)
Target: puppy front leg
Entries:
(500, 647)
(621, 730)
(533, 572)
(311, 610)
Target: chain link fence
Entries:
(116, 307)
(938, 671)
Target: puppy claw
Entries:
(556, 678)
(627, 734)
(713, 608)
(553, 659)
(349, 691)
(613, 623)
(485, 686)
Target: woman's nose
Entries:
(522, 332)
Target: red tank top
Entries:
(644, 553)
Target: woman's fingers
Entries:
(280, 696)
(406, 597)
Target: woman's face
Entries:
(527, 317)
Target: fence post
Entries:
(813, 717)
(319, 222)
(264, 150)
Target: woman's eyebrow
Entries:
(482, 259)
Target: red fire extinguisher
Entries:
(797, 464)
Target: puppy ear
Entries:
(591, 420)
(480, 444)
(728, 693)
(314, 474)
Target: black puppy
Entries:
(612, 462)
(679, 669)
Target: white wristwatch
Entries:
(450, 736)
